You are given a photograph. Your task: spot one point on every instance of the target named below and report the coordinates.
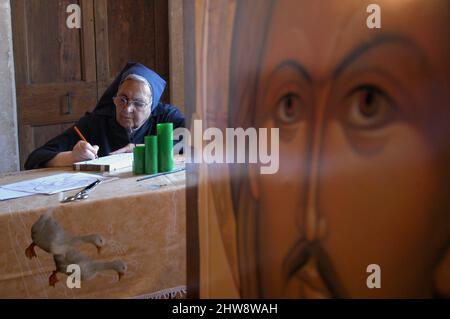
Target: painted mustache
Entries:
(309, 264)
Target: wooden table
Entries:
(142, 222)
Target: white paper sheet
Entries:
(54, 183)
(6, 194)
(111, 159)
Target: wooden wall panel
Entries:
(162, 43)
(131, 31)
(55, 68)
(53, 50)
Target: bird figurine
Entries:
(47, 234)
(88, 268)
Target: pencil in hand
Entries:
(81, 136)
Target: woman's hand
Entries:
(83, 151)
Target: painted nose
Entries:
(314, 223)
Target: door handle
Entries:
(68, 110)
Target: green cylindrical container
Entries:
(165, 147)
(139, 160)
(151, 154)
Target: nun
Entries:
(129, 110)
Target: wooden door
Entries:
(136, 31)
(54, 67)
(61, 72)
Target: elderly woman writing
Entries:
(128, 110)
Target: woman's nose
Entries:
(129, 108)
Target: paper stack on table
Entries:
(109, 163)
(48, 185)
(9, 194)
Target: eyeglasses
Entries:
(123, 101)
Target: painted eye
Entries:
(367, 107)
(288, 109)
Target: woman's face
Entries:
(128, 114)
(360, 180)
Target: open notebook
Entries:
(109, 163)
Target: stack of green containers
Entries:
(151, 154)
(138, 160)
(165, 147)
(156, 155)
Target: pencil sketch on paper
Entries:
(54, 183)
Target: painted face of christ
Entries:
(363, 178)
